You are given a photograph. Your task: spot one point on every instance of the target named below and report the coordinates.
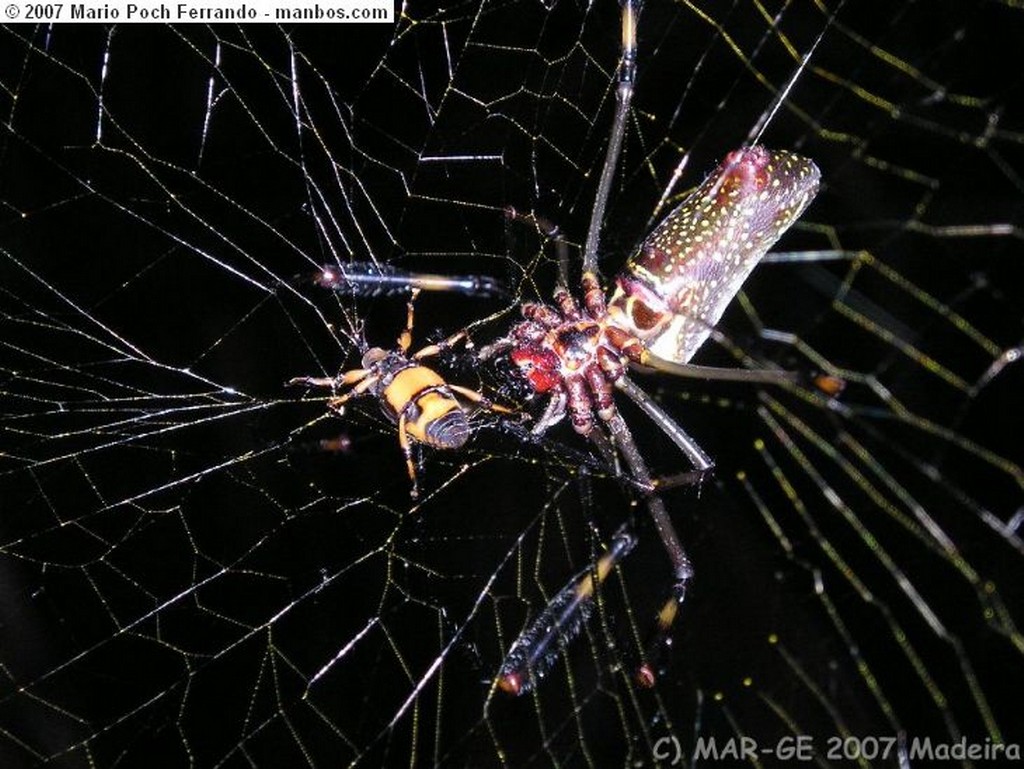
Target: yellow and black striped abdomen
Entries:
(433, 416)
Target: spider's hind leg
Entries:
(702, 463)
(703, 466)
(682, 567)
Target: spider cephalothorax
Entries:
(569, 356)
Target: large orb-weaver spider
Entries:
(666, 300)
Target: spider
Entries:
(415, 397)
(665, 302)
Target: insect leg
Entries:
(313, 381)
(434, 349)
(406, 445)
(363, 385)
(405, 338)
(479, 399)
(349, 377)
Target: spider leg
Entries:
(682, 567)
(623, 98)
(692, 371)
(606, 450)
(698, 458)
(553, 412)
(814, 380)
(580, 405)
(551, 231)
(497, 347)
(680, 561)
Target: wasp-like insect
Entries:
(418, 399)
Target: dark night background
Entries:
(179, 566)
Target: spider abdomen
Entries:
(674, 289)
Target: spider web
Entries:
(189, 580)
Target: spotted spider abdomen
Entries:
(674, 289)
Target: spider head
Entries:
(539, 366)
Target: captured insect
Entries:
(665, 303)
(418, 399)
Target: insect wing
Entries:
(675, 288)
